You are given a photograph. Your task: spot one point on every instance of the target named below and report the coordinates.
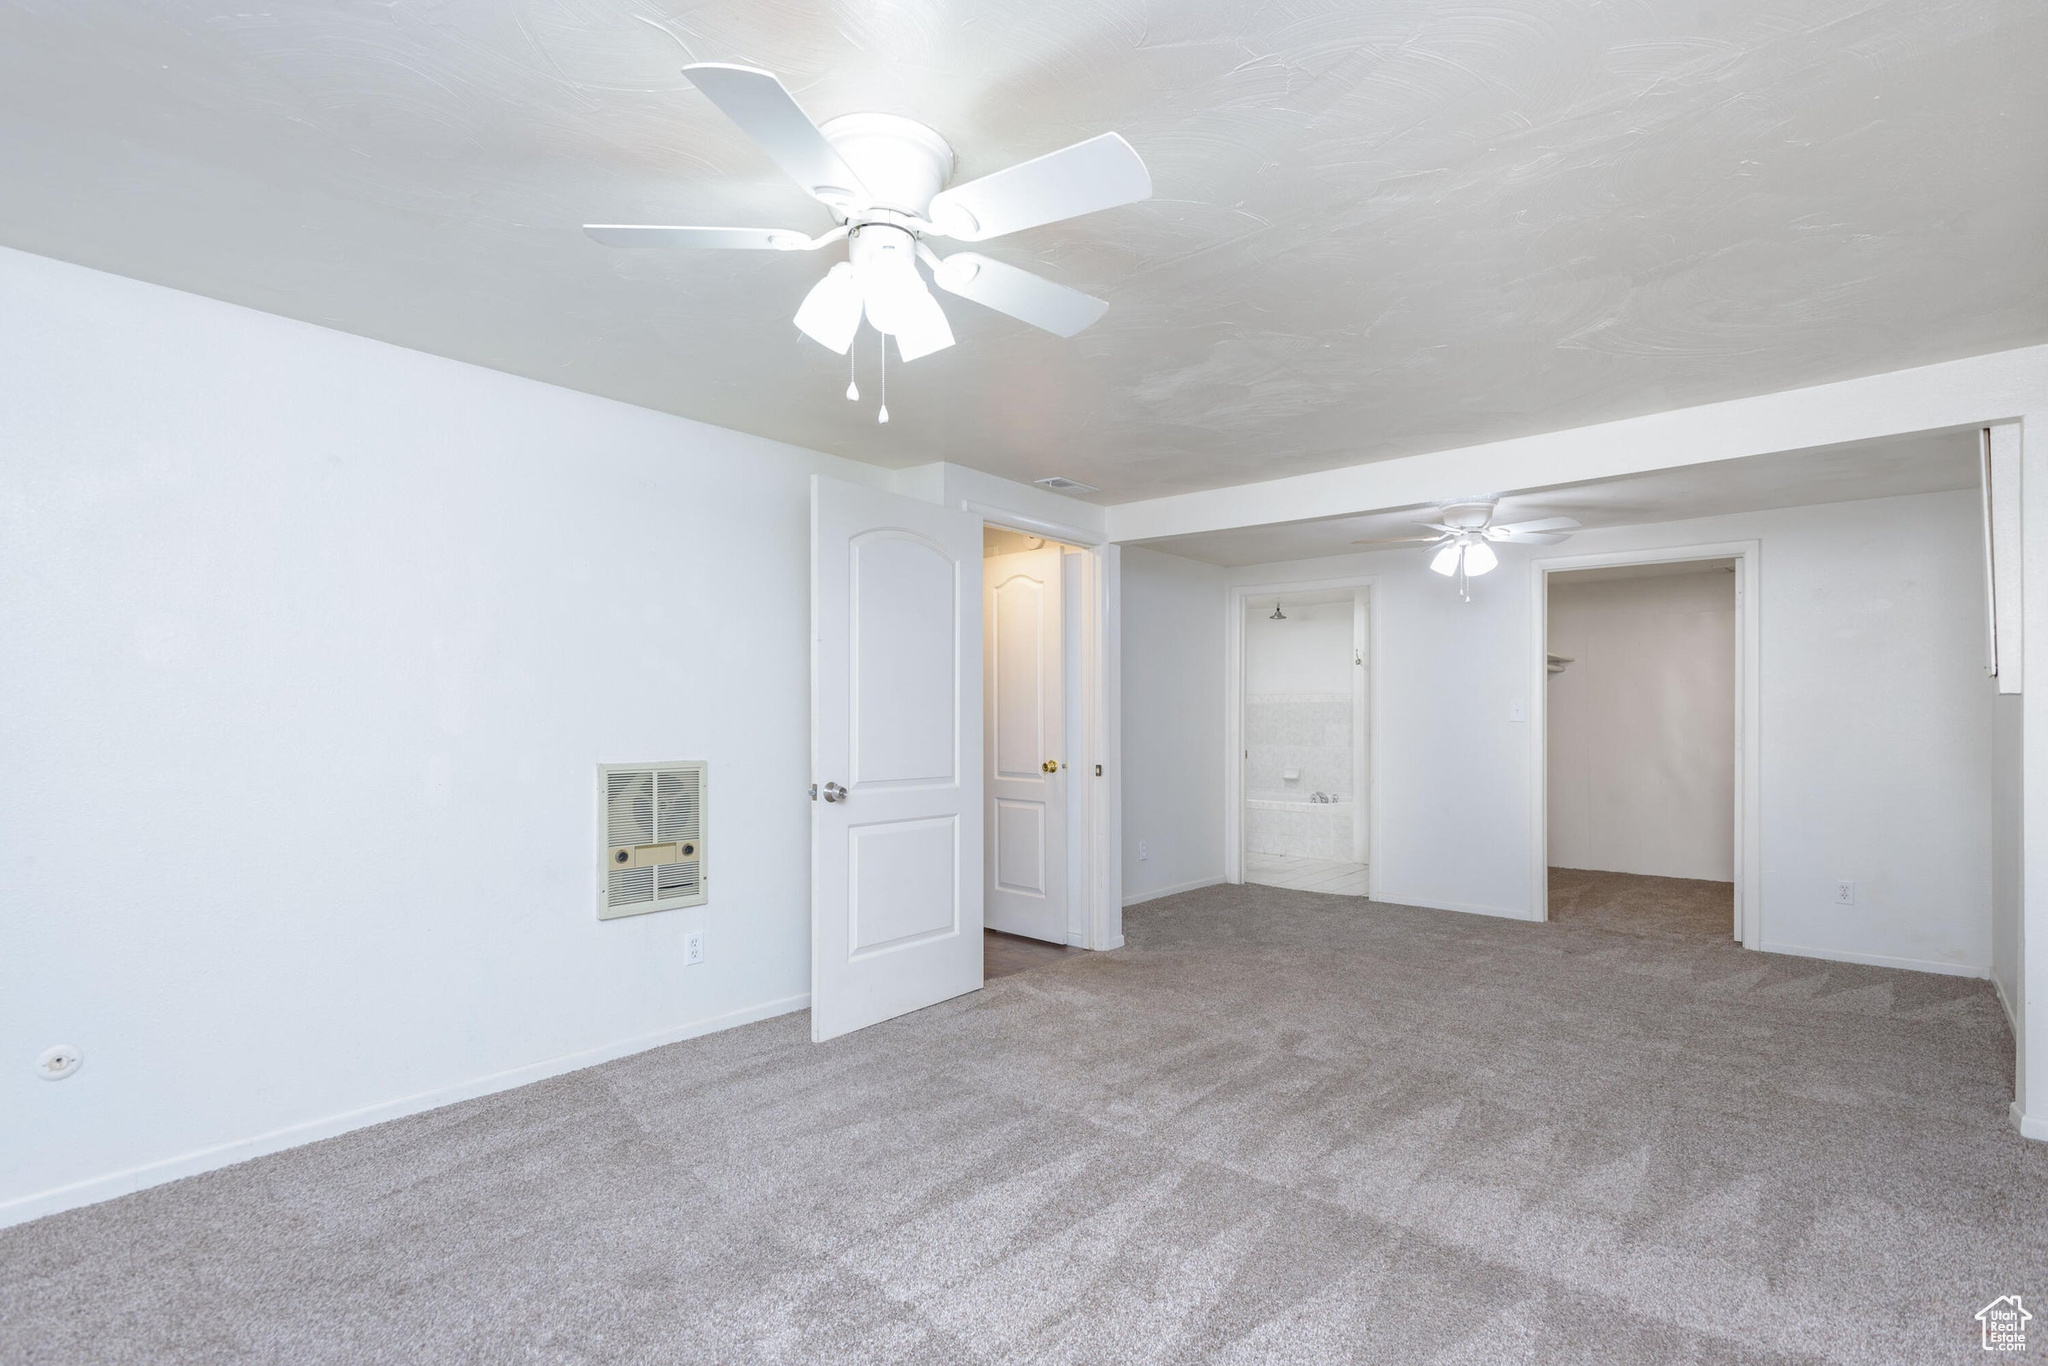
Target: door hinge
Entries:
(1098, 770)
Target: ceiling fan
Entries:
(1465, 533)
(883, 177)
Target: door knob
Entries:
(835, 793)
(1049, 766)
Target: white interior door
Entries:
(896, 830)
(1025, 749)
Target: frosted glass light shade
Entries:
(899, 304)
(830, 314)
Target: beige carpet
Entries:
(1278, 1127)
(1631, 903)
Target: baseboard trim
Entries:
(2030, 1126)
(1174, 890)
(1462, 907)
(1879, 960)
(2012, 1018)
(95, 1189)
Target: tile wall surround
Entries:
(1310, 732)
(1306, 731)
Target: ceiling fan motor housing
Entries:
(880, 245)
(901, 162)
(1472, 514)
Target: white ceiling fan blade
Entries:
(1024, 296)
(1100, 173)
(1525, 537)
(718, 239)
(1401, 540)
(1541, 524)
(766, 112)
(830, 313)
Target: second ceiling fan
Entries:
(1466, 533)
(884, 178)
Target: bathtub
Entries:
(1289, 823)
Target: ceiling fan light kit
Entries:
(1465, 533)
(883, 177)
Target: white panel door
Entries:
(1025, 746)
(895, 755)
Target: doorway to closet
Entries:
(1303, 723)
(1641, 731)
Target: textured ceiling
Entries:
(1890, 468)
(1380, 228)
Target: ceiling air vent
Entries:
(650, 838)
(1059, 483)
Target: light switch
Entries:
(1518, 711)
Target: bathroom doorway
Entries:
(1303, 722)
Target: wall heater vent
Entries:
(650, 838)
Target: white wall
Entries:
(1310, 652)
(1876, 725)
(1172, 778)
(1641, 768)
(308, 646)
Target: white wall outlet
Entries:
(58, 1063)
(693, 947)
(1845, 894)
(1143, 852)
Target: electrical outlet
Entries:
(1845, 894)
(693, 948)
(1143, 852)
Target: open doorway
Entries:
(1033, 734)
(1641, 718)
(1303, 722)
(902, 731)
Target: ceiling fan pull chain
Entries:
(883, 415)
(852, 373)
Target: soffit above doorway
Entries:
(1893, 467)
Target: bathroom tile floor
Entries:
(1305, 874)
